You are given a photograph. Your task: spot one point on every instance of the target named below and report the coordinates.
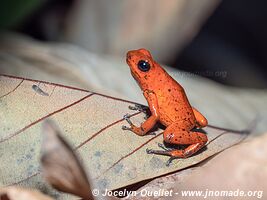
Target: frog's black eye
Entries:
(143, 65)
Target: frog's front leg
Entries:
(151, 121)
(180, 134)
(141, 108)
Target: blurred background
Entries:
(225, 41)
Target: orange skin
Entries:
(168, 104)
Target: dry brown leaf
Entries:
(16, 193)
(60, 167)
(92, 122)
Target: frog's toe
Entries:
(166, 152)
(151, 133)
(163, 146)
(125, 128)
(152, 151)
(170, 161)
(135, 107)
(141, 108)
(159, 152)
(149, 151)
(127, 118)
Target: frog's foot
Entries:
(132, 127)
(170, 161)
(167, 152)
(141, 108)
(164, 147)
(126, 128)
(159, 152)
(151, 133)
(127, 118)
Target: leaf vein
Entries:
(12, 90)
(44, 117)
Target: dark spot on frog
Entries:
(145, 77)
(169, 90)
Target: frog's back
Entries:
(173, 103)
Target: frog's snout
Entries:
(128, 58)
(129, 55)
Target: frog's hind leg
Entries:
(177, 134)
(201, 120)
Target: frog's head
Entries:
(141, 64)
